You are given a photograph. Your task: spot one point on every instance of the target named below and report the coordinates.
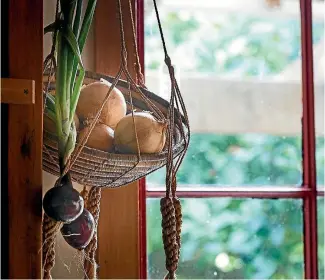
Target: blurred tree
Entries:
(226, 238)
(229, 45)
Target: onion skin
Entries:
(91, 99)
(63, 203)
(151, 134)
(79, 233)
(101, 137)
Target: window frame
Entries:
(307, 192)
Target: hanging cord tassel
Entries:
(169, 236)
(93, 206)
(50, 229)
(179, 216)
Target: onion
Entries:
(91, 98)
(101, 137)
(79, 232)
(150, 132)
(50, 126)
(63, 203)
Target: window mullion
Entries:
(308, 126)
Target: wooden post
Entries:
(118, 233)
(25, 141)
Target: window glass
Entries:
(239, 69)
(225, 238)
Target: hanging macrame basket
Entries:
(98, 169)
(101, 169)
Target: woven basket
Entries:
(102, 169)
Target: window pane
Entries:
(239, 68)
(321, 253)
(225, 238)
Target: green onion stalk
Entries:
(72, 31)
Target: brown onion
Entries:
(150, 132)
(100, 138)
(91, 99)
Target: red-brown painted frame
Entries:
(308, 191)
(308, 136)
(142, 182)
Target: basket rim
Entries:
(125, 85)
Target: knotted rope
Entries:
(50, 229)
(178, 215)
(93, 206)
(169, 236)
(170, 205)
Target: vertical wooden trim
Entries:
(118, 232)
(25, 141)
(142, 229)
(4, 144)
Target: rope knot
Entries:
(50, 230)
(169, 234)
(168, 61)
(93, 206)
(179, 216)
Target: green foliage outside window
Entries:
(257, 238)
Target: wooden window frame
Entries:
(308, 191)
(122, 229)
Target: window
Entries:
(248, 191)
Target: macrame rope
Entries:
(93, 206)
(169, 236)
(84, 193)
(137, 65)
(178, 215)
(50, 229)
(171, 209)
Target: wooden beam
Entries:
(118, 233)
(25, 142)
(17, 91)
